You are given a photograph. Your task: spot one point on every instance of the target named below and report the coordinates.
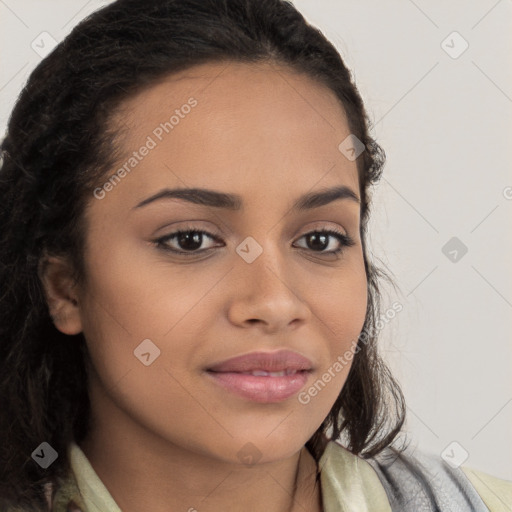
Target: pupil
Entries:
(185, 239)
(317, 236)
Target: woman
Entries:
(189, 309)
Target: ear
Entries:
(61, 294)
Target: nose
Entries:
(268, 293)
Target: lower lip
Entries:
(263, 389)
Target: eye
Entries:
(320, 240)
(189, 241)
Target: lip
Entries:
(265, 361)
(263, 388)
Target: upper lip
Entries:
(266, 361)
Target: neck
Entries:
(159, 475)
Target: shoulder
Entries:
(412, 476)
(495, 492)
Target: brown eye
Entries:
(319, 241)
(186, 241)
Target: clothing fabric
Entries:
(390, 482)
(406, 482)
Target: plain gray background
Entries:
(443, 116)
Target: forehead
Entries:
(235, 85)
(235, 127)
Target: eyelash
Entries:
(345, 240)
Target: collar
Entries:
(348, 484)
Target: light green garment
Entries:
(96, 497)
(348, 484)
(495, 492)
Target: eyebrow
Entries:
(212, 198)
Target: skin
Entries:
(270, 135)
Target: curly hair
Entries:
(60, 144)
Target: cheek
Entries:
(341, 312)
(137, 296)
(133, 324)
(119, 308)
(130, 299)
(341, 305)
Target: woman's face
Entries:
(259, 281)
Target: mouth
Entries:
(262, 377)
